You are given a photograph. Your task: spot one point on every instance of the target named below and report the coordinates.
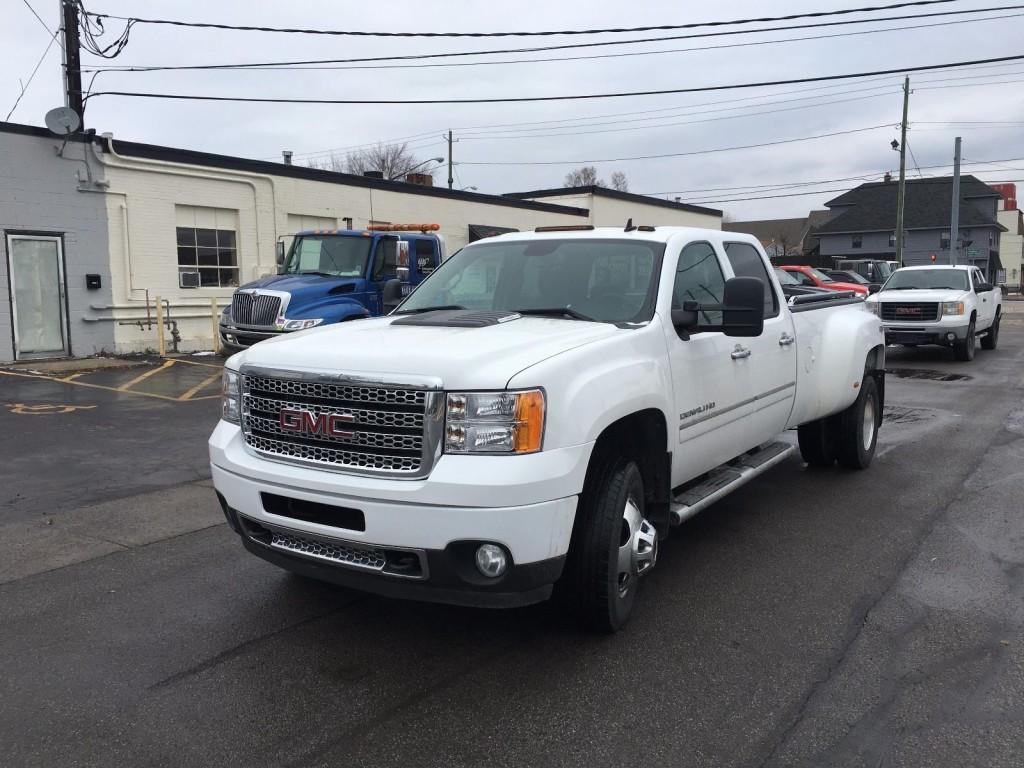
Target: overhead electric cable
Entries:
(572, 97)
(543, 33)
(566, 46)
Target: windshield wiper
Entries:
(427, 309)
(314, 272)
(557, 312)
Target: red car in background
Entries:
(815, 278)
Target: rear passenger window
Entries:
(699, 278)
(747, 262)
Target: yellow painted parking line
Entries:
(204, 383)
(72, 377)
(152, 372)
(116, 390)
(193, 362)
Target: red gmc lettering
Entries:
(327, 424)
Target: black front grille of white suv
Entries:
(910, 311)
(370, 429)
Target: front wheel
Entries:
(614, 547)
(858, 427)
(991, 339)
(964, 350)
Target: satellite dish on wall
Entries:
(63, 121)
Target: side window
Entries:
(747, 262)
(426, 261)
(699, 278)
(802, 278)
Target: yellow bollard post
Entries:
(161, 345)
(214, 314)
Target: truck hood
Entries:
(462, 358)
(306, 289)
(921, 294)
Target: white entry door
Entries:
(36, 270)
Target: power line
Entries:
(572, 97)
(566, 46)
(545, 33)
(681, 154)
(345, 67)
(40, 19)
(31, 77)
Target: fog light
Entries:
(491, 560)
(950, 337)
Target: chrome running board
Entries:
(726, 478)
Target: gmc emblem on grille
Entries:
(908, 310)
(324, 424)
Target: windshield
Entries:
(908, 279)
(822, 276)
(785, 278)
(883, 270)
(609, 281)
(338, 256)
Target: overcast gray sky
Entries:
(688, 123)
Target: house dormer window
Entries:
(856, 241)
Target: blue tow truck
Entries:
(330, 276)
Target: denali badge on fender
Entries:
(325, 424)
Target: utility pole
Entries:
(451, 180)
(72, 60)
(901, 193)
(954, 221)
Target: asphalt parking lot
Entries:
(811, 618)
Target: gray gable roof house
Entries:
(862, 223)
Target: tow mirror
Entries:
(280, 253)
(743, 308)
(684, 319)
(391, 296)
(874, 288)
(984, 287)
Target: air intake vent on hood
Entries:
(459, 318)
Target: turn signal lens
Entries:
(530, 421)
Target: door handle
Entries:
(785, 340)
(740, 352)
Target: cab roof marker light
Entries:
(566, 228)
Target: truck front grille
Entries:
(255, 309)
(366, 429)
(910, 311)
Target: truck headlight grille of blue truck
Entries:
(378, 430)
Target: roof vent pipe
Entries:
(287, 156)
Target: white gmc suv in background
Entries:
(539, 413)
(943, 304)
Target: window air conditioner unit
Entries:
(188, 279)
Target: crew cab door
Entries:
(766, 371)
(704, 380)
(986, 301)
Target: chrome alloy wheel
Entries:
(868, 430)
(638, 547)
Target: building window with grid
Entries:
(892, 239)
(210, 252)
(944, 240)
(856, 241)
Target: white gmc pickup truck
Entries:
(943, 304)
(538, 414)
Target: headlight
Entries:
(494, 422)
(301, 325)
(952, 308)
(231, 394)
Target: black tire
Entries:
(818, 442)
(590, 585)
(856, 448)
(991, 339)
(964, 350)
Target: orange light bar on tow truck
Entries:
(403, 227)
